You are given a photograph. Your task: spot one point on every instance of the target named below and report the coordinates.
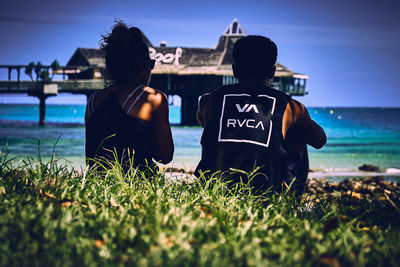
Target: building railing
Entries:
(75, 84)
(68, 86)
(70, 72)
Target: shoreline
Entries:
(329, 175)
(187, 169)
(34, 123)
(183, 169)
(341, 175)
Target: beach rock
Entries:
(390, 186)
(328, 187)
(334, 186)
(373, 179)
(369, 168)
(388, 192)
(371, 188)
(357, 189)
(358, 186)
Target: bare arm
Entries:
(204, 110)
(296, 115)
(164, 143)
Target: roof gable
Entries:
(78, 59)
(88, 57)
(234, 29)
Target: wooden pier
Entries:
(188, 87)
(43, 90)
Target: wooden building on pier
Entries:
(189, 72)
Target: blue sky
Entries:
(349, 49)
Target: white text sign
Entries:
(166, 58)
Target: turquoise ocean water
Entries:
(355, 136)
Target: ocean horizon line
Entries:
(320, 107)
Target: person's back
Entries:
(250, 126)
(111, 132)
(244, 132)
(128, 119)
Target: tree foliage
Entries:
(42, 73)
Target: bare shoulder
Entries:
(156, 97)
(297, 109)
(297, 104)
(106, 90)
(101, 95)
(204, 99)
(95, 100)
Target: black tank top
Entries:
(110, 127)
(244, 133)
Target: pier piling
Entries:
(189, 108)
(43, 91)
(42, 110)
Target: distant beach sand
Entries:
(183, 169)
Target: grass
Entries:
(50, 214)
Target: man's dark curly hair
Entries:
(125, 48)
(254, 55)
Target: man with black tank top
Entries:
(250, 126)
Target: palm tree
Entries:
(54, 67)
(38, 68)
(29, 69)
(44, 75)
(41, 73)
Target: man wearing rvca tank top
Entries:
(249, 126)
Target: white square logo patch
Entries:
(247, 119)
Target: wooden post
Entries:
(9, 78)
(169, 82)
(42, 110)
(19, 77)
(43, 91)
(188, 110)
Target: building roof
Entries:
(88, 57)
(234, 29)
(185, 60)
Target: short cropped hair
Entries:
(124, 48)
(254, 55)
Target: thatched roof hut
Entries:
(185, 60)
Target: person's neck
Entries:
(264, 81)
(128, 86)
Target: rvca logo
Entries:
(246, 119)
(247, 108)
